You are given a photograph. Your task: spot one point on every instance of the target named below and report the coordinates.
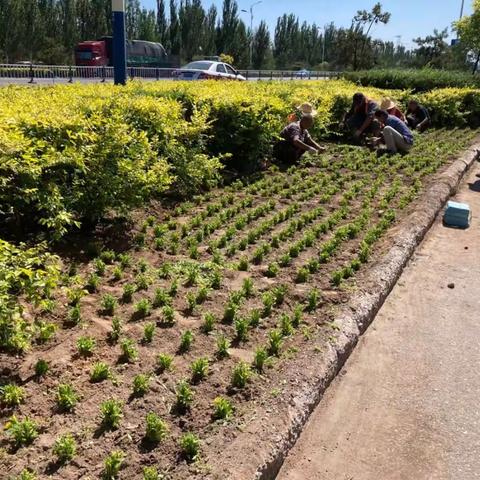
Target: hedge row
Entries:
(71, 154)
(415, 80)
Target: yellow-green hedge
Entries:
(74, 152)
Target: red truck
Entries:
(98, 53)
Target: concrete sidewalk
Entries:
(406, 405)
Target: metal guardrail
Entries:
(72, 73)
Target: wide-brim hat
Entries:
(307, 109)
(387, 104)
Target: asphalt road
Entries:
(406, 405)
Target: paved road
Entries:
(406, 406)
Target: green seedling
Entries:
(109, 303)
(184, 396)
(199, 368)
(241, 375)
(66, 397)
(209, 321)
(112, 465)
(156, 429)
(141, 385)
(100, 372)
(222, 408)
(223, 344)
(186, 341)
(111, 413)
(148, 332)
(86, 346)
(65, 448)
(129, 350)
(11, 395)
(164, 362)
(190, 446)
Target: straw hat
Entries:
(387, 104)
(307, 109)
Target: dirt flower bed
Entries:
(153, 349)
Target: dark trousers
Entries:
(413, 121)
(285, 152)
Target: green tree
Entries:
(432, 49)
(261, 45)
(174, 30)
(468, 29)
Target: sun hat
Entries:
(387, 104)
(307, 108)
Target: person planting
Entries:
(296, 140)
(418, 117)
(396, 134)
(390, 106)
(360, 119)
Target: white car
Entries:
(206, 70)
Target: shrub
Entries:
(190, 446)
(109, 303)
(129, 350)
(241, 329)
(184, 396)
(141, 384)
(143, 308)
(112, 465)
(275, 341)
(41, 367)
(116, 331)
(199, 369)
(223, 344)
(111, 413)
(156, 429)
(11, 395)
(100, 371)
(65, 448)
(86, 346)
(128, 290)
(164, 362)
(223, 408)
(23, 432)
(241, 375)
(148, 331)
(185, 341)
(209, 321)
(260, 358)
(66, 397)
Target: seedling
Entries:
(164, 362)
(142, 281)
(223, 344)
(148, 331)
(74, 315)
(65, 448)
(184, 396)
(337, 277)
(11, 395)
(112, 465)
(286, 325)
(100, 267)
(241, 375)
(151, 473)
(202, 294)
(116, 331)
(241, 329)
(173, 290)
(185, 341)
(128, 290)
(243, 264)
(297, 316)
(168, 315)
(302, 275)
(93, 282)
(129, 350)
(268, 299)
(66, 397)
(275, 341)
(100, 372)
(313, 298)
(191, 302)
(199, 369)
(41, 367)
(86, 346)
(108, 256)
(23, 432)
(161, 298)
(254, 319)
(125, 260)
(26, 474)
(222, 408)
(111, 413)
(209, 321)
(109, 303)
(272, 270)
(156, 429)
(247, 287)
(143, 308)
(279, 293)
(141, 385)
(117, 273)
(190, 446)
(260, 358)
(216, 279)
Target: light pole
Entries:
(461, 9)
(251, 27)
(119, 42)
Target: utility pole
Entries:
(119, 42)
(251, 28)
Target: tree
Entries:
(162, 24)
(361, 20)
(432, 48)
(468, 29)
(209, 31)
(191, 17)
(174, 29)
(132, 19)
(261, 45)
(227, 29)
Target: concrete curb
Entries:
(270, 441)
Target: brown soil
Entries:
(317, 329)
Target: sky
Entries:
(410, 18)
